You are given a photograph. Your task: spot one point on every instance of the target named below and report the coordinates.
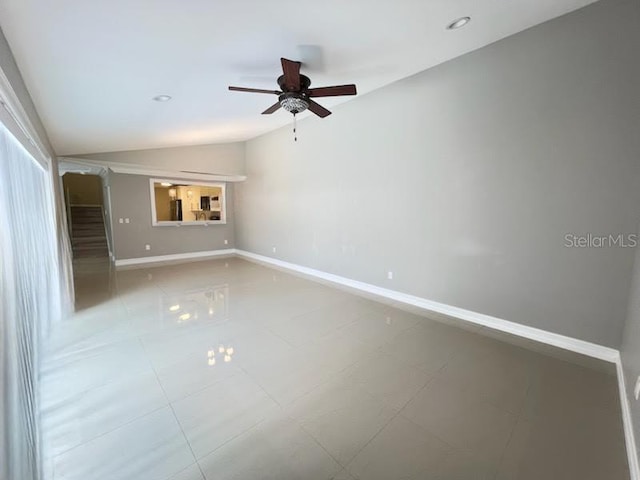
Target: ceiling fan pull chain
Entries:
(295, 135)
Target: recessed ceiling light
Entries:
(166, 184)
(162, 98)
(460, 22)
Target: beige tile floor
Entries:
(230, 370)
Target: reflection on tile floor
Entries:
(226, 369)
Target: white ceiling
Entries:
(92, 66)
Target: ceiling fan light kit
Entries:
(293, 102)
(295, 96)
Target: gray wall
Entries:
(130, 198)
(463, 180)
(225, 158)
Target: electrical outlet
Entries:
(636, 390)
(226, 242)
(273, 249)
(126, 220)
(120, 220)
(147, 247)
(390, 275)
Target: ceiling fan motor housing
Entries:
(305, 83)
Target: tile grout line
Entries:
(105, 345)
(52, 458)
(240, 367)
(173, 412)
(139, 337)
(334, 377)
(308, 312)
(197, 461)
(169, 404)
(295, 420)
(231, 439)
(187, 440)
(128, 422)
(398, 412)
(124, 308)
(453, 447)
(93, 439)
(315, 440)
(511, 434)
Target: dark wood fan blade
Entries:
(291, 72)
(336, 91)
(272, 108)
(254, 90)
(318, 109)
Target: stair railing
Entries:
(68, 205)
(104, 227)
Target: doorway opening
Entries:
(86, 213)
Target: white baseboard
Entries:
(174, 257)
(629, 435)
(561, 341)
(531, 333)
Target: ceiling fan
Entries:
(294, 95)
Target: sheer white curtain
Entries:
(30, 298)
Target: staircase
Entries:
(88, 238)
